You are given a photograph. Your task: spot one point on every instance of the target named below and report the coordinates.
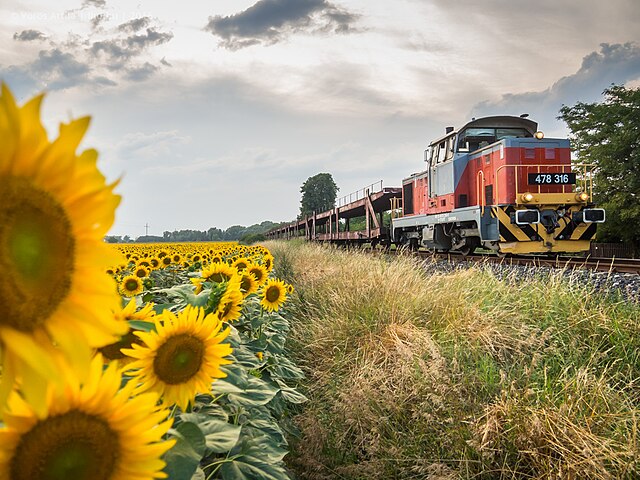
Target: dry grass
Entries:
(458, 375)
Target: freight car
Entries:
(498, 184)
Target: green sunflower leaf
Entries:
(255, 457)
(243, 389)
(184, 457)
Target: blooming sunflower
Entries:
(89, 431)
(230, 305)
(219, 272)
(259, 272)
(55, 208)
(241, 264)
(248, 284)
(267, 261)
(131, 285)
(182, 357)
(141, 271)
(274, 294)
(112, 352)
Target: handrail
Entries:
(480, 192)
(359, 194)
(586, 178)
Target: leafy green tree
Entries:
(607, 134)
(318, 194)
(113, 239)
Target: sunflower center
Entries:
(179, 359)
(72, 445)
(36, 254)
(131, 285)
(246, 283)
(273, 294)
(257, 273)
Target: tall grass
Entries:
(459, 375)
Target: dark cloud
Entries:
(120, 51)
(29, 36)
(150, 38)
(614, 63)
(135, 25)
(270, 21)
(53, 69)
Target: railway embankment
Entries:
(421, 371)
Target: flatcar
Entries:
(496, 183)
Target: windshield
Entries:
(474, 138)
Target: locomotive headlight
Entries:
(539, 135)
(527, 197)
(582, 196)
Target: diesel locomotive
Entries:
(497, 183)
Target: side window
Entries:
(434, 155)
(442, 151)
(450, 148)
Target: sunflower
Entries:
(55, 208)
(267, 261)
(290, 289)
(141, 271)
(273, 295)
(241, 264)
(197, 282)
(131, 285)
(90, 431)
(230, 305)
(259, 272)
(165, 261)
(219, 272)
(248, 284)
(182, 357)
(112, 352)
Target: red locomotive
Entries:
(497, 183)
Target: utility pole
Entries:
(146, 229)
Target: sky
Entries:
(213, 114)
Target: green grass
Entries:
(459, 375)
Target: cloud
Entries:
(118, 54)
(614, 63)
(120, 50)
(150, 146)
(94, 3)
(29, 36)
(141, 73)
(135, 25)
(270, 21)
(97, 20)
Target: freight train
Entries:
(496, 183)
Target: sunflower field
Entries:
(128, 362)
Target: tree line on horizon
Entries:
(250, 234)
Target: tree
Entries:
(318, 194)
(607, 134)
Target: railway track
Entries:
(613, 265)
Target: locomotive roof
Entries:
(498, 121)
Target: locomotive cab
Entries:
(498, 183)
